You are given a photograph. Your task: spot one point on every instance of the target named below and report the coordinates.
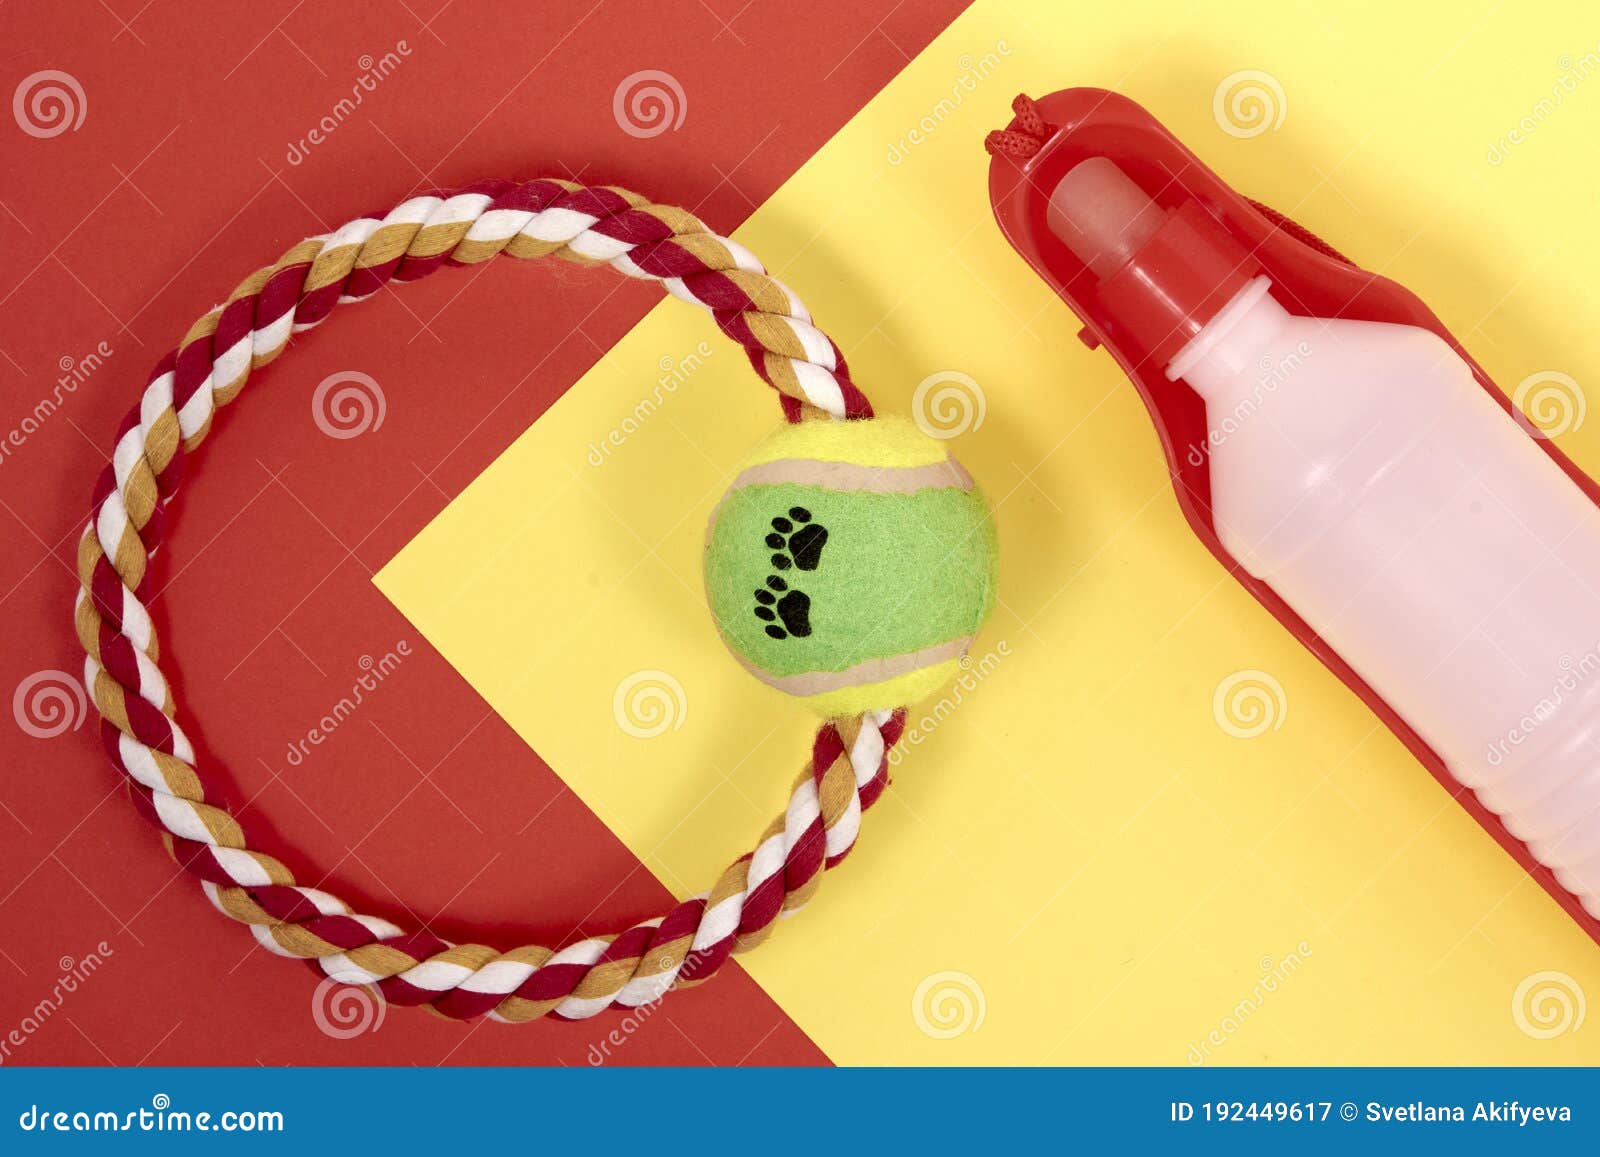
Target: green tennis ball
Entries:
(850, 564)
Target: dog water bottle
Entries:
(1359, 470)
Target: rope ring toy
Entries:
(864, 505)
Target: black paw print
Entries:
(800, 548)
(790, 607)
(796, 543)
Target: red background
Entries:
(426, 808)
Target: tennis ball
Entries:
(850, 563)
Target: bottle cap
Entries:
(1163, 273)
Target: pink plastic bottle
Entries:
(1359, 470)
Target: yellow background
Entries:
(1107, 867)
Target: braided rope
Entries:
(210, 367)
